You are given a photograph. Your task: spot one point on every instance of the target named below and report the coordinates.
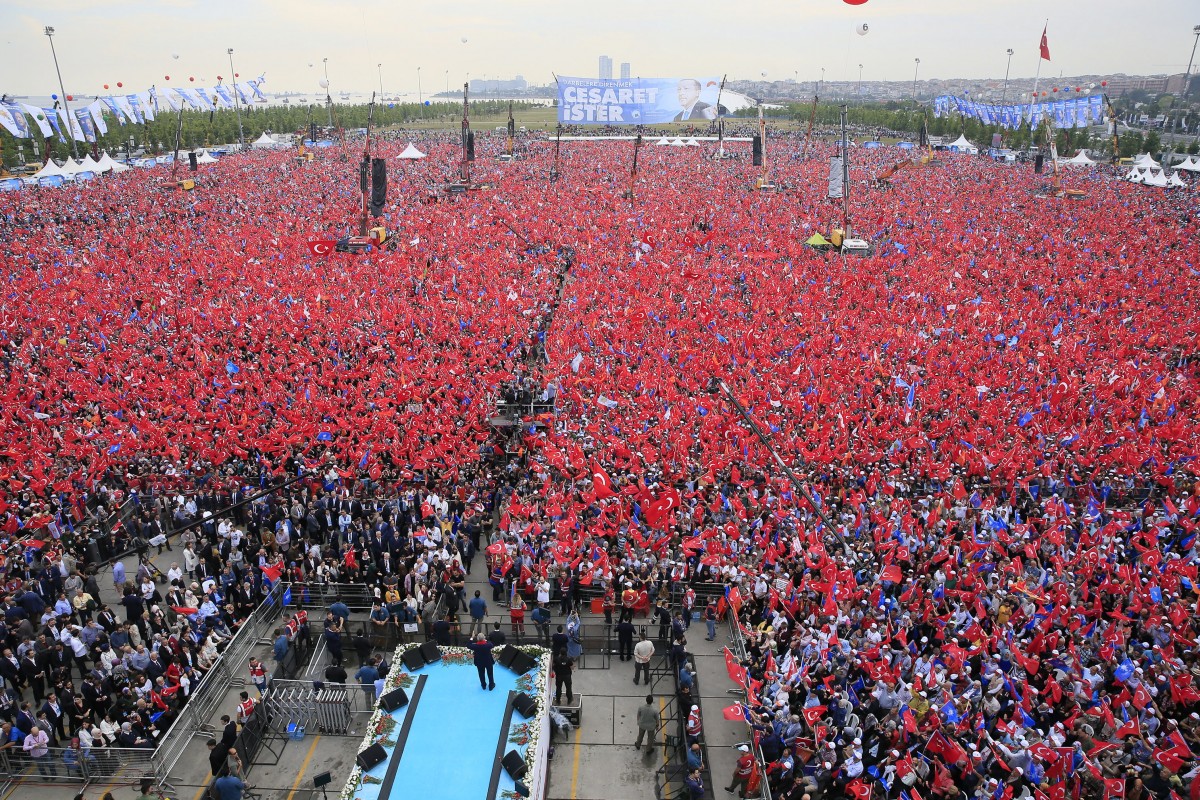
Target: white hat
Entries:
(743, 748)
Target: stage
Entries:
(450, 737)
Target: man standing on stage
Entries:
(485, 662)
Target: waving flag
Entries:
(1045, 45)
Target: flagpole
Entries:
(1037, 76)
(66, 108)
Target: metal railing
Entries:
(737, 644)
(108, 764)
(337, 709)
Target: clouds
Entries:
(101, 42)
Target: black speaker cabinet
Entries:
(525, 705)
(520, 662)
(1038, 162)
(514, 765)
(372, 757)
(412, 659)
(192, 163)
(505, 656)
(396, 698)
(430, 652)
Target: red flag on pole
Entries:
(323, 247)
(1045, 44)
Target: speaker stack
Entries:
(396, 698)
(372, 757)
(525, 705)
(514, 765)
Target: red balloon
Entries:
(236, 75)
(192, 79)
(119, 84)
(854, 2)
(1055, 89)
(106, 86)
(220, 78)
(1104, 83)
(1077, 88)
(70, 98)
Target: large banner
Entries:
(637, 101)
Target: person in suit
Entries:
(692, 107)
(484, 662)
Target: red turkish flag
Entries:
(812, 714)
(321, 247)
(1114, 787)
(602, 484)
(1169, 759)
(1045, 46)
(858, 790)
(1141, 697)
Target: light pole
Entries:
(860, 80)
(915, 70)
(447, 81)
(1187, 76)
(1004, 95)
(380, 68)
(821, 83)
(237, 106)
(328, 99)
(420, 97)
(66, 108)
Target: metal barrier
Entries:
(107, 764)
(337, 709)
(737, 644)
(229, 670)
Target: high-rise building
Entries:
(606, 67)
(625, 70)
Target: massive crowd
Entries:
(983, 583)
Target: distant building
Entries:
(624, 70)
(1154, 84)
(606, 67)
(496, 85)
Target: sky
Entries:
(106, 41)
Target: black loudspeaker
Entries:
(396, 698)
(378, 186)
(1038, 162)
(372, 757)
(520, 663)
(430, 652)
(470, 145)
(514, 765)
(192, 161)
(412, 659)
(506, 656)
(756, 146)
(525, 705)
(324, 779)
(312, 131)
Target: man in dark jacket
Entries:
(484, 662)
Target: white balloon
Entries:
(862, 29)
(175, 56)
(323, 83)
(764, 73)
(464, 40)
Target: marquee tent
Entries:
(71, 168)
(1145, 160)
(963, 146)
(107, 164)
(50, 170)
(1080, 160)
(205, 158)
(1176, 180)
(264, 141)
(411, 153)
(1189, 164)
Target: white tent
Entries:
(205, 158)
(692, 143)
(1190, 164)
(1080, 160)
(91, 165)
(663, 141)
(1144, 160)
(411, 153)
(264, 141)
(50, 170)
(1156, 178)
(962, 145)
(1176, 180)
(1134, 175)
(677, 143)
(106, 164)
(71, 168)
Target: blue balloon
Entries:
(53, 97)
(426, 102)
(391, 105)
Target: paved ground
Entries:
(598, 762)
